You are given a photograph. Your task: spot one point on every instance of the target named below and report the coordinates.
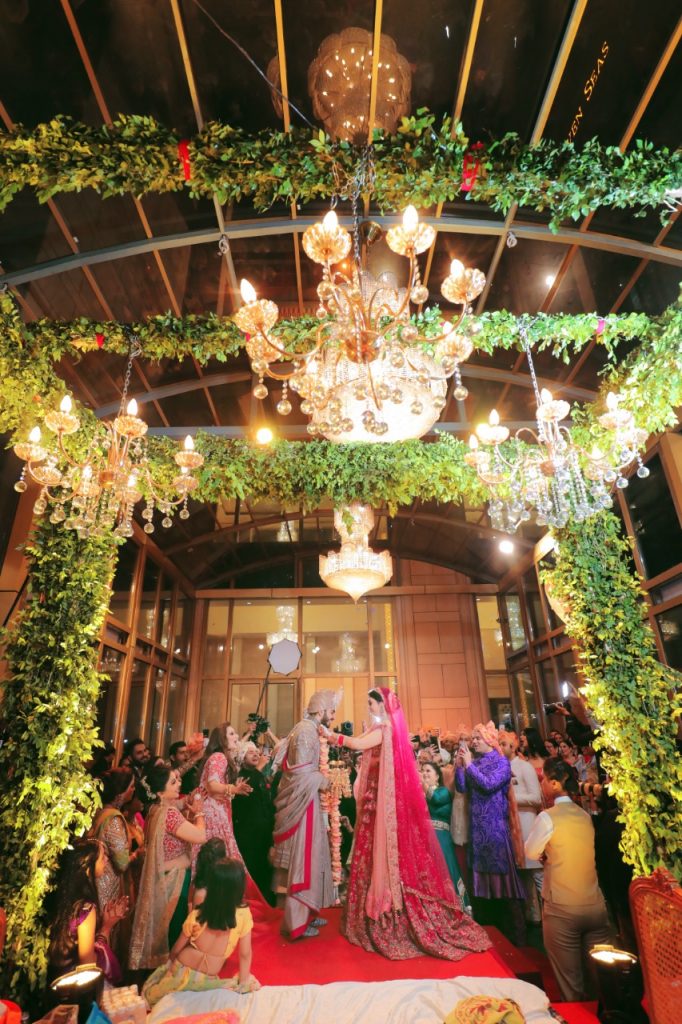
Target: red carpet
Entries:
(330, 957)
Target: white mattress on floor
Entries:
(420, 1001)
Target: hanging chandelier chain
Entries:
(529, 356)
(363, 184)
(134, 350)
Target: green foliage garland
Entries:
(49, 705)
(421, 163)
(636, 698)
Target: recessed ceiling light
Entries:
(507, 547)
(550, 279)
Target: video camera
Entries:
(262, 724)
(553, 709)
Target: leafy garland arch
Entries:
(45, 793)
(422, 164)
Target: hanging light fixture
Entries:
(550, 475)
(98, 492)
(369, 375)
(355, 568)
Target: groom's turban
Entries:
(324, 700)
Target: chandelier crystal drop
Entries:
(369, 375)
(355, 568)
(546, 473)
(96, 493)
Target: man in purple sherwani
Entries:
(486, 776)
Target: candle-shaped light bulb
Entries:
(189, 443)
(131, 408)
(546, 396)
(330, 222)
(34, 436)
(65, 404)
(132, 481)
(494, 418)
(473, 442)
(248, 291)
(456, 268)
(611, 401)
(410, 220)
(596, 454)
(87, 472)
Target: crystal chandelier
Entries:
(286, 615)
(355, 568)
(551, 475)
(97, 493)
(370, 375)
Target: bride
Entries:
(401, 901)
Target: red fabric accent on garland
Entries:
(471, 165)
(183, 153)
(99, 338)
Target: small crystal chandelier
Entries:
(370, 375)
(98, 493)
(355, 568)
(553, 477)
(286, 615)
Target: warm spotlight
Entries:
(507, 547)
(264, 435)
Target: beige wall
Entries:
(441, 679)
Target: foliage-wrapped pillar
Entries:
(636, 698)
(49, 705)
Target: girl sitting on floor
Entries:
(209, 936)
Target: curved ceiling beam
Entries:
(487, 373)
(417, 556)
(260, 227)
(430, 518)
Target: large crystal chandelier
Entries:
(547, 473)
(355, 568)
(369, 375)
(97, 492)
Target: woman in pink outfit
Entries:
(401, 901)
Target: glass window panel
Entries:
(175, 711)
(215, 640)
(516, 633)
(117, 636)
(353, 704)
(335, 637)
(667, 591)
(670, 626)
(550, 690)
(531, 590)
(119, 605)
(381, 624)
(154, 717)
(182, 625)
(212, 706)
(256, 626)
(243, 701)
(165, 599)
(526, 707)
(654, 519)
(281, 710)
(111, 666)
(549, 562)
(136, 700)
(491, 633)
(150, 582)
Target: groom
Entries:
(301, 858)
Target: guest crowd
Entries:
(176, 867)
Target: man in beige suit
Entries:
(574, 914)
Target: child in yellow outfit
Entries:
(209, 935)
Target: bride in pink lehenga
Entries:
(401, 901)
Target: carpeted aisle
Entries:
(330, 957)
